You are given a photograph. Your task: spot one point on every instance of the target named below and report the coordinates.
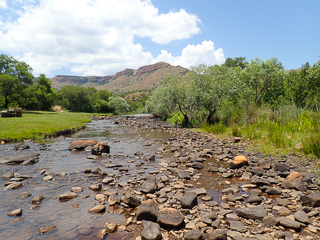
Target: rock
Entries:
(252, 213)
(227, 175)
(150, 231)
(96, 187)
(76, 189)
(237, 226)
(13, 186)
(97, 209)
(294, 180)
(37, 199)
(199, 191)
(301, 216)
(17, 212)
(184, 175)
(273, 191)
(288, 223)
(148, 210)
(23, 158)
(67, 196)
(81, 144)
(189, 200)
(7, 175)
(47, 178)
(21, 146)
(219, 234)
(238, 162)
(281, 168)
(131, 200)
(193, 235)
(46, 229)
(111, 227)
(99, 148)
(149, 186)
(270, 220)
(312, 199)
(284, 211)
(107, 180)
(197, 165)
(254, 199)
(113, 199)
(24, 195)
(170, 217)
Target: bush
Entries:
(311, 144)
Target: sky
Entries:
(103, 37)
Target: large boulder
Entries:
(149, 186)
(82, 144)
(150, 231)
(99, 148)
(148, 210)
(294, 180)
(238, 162)
(23, 158)
(252, 212)
(189, 200)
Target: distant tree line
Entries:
(210, 94)
(18, 89)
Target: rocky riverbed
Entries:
(158, 182)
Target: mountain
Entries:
(146, 77)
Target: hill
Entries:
(146, 77)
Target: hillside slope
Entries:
(146, 77)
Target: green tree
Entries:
(119, 105)
(15, 78)
(236, 62)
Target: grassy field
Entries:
(38, 125)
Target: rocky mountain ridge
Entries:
(145, 77)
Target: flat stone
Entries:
(252, 213)
(107, 180)
(189, 200)
(81, 144)
(97, 209)
(312, 199)
(288, 223)
(13, 186)
(254, 199)
(17, 212)
(7, 175)
(23, 158)
(237, 226)
(76, 189)
(219, 234)
(199, 191)
(301, 216)
(43, 230)
(37, 199)
(193, 235)
(270, 220)
(24, 195)
(67, 196)
(284, 211)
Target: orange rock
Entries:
(239, 161)
(295, 175)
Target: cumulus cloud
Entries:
(97, 37)
(3, 4)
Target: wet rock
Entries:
(24, 195)
(252, 212)
(294, 180)
(47, 178)
(67, 196)
(21, 146)
(131, 200)
(81, 144)
(199, 191)
(17, 212)
(288, 223)
(149, 186)
(97, 209)
(7, 175)
(189, 200)
(193, 235)
(273, 191)
(107, 180)
(148, 210)
(150, 231)
(227, 175)
(237, 226)
(96, 187)
(312, 199)
(238, 162)
(150, 157)
(284, 211)
(113, 199)
(43, 230)
(219, 234)
(197, 165)
(13, 186)
(170, 217)
(111, 227)
(76, 189)
(99, 148)
(23, 158)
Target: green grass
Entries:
(38, 125)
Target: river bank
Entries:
(160, 181)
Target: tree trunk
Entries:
(210, 115)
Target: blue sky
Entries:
(102, 37)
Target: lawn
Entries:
(37, 125)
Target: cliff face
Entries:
(146, 77)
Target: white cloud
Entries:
(193, 55)
(3, 4)
(96, 37)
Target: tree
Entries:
(15, 78)
(119, 105)
(236, 62)
(41, 95)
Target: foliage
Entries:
(15, 78)
(119, 105)
(37, 125)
